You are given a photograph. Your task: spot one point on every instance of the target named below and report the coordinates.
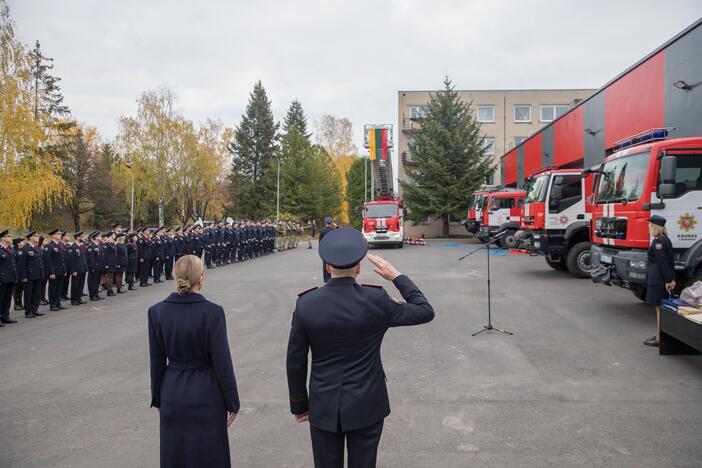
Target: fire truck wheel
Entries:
(559, 265)
(579, 260)
(508, 241)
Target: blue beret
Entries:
(343, 248)
(657, 219)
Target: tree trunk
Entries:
(446, 226)
(160, 213)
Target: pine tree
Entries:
(450, 158)
(251, 180)
(295, 118)
(48, 100)
(355, 193)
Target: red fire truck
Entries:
(647, 174)
(501, 212)
(383, 219)
(472, 223)
(556, 219)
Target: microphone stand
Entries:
(489, 326)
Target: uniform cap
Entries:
(51, 233)
(343, 248)
(328, 220)
(64, 233)
(121, 234)
(77, 233)
(94, 234)
(17, 240)
(4, 233)
(658, 220)
(115, 226)
(108, 234)
(30, 234)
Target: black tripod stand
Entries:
(489, 326)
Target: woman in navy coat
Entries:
(192, 377)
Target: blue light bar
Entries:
(648, 136)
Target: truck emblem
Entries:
(563, 219)
(687, 222)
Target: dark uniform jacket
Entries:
(660, 264)
(95, 257)
(132, 257)
(122, 257)
(157, 249)
(110, 256)
(29, 264)
(53, 259)
(344, 323)
(8, 266)
(77, 263)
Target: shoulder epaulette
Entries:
(306, 291)
(372, 285)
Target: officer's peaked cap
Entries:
(343, 248)
(658, 220)
(4, 233)
(77, 233)
(30, 234)
(55, 231)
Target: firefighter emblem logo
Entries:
(687, 222)
(563, 220)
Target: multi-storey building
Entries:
(507, 118)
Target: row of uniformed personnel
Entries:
(32, 266)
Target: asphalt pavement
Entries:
(573, 387)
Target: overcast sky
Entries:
(346, 58)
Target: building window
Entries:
(418, 112)
(519, 140)
(489, 146)
(552, 112)
(490, 178)
(522, 113)
(486, 113)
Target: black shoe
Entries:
(210, 267)
(146, 285)
(157, 281)
(169, 278)
(7, 320)
(94, 299)
(19, 307)
(54, 309)
(43, 302)
(80, 301)
(65, 298)
(131, 288)
(29, 315)
(75, 303)
(61, 307)
(38, 314)
(653, 342)
(119, 291)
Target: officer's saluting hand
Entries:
(344, 323)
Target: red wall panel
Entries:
(510, 165)
(568, 140)
(635, 102)
(532, 155)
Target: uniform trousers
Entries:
(144, 268)
(156, 265)
(119, 278)
(6, 291)
(168, 267)
(107, 279)
(328, 447)
(18, 293)
(64, 286)
(94, 278)
(32, 296)
(77, 283)
(55, 288)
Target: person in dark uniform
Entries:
(18, 292)
(144, 249)
(344, 323)
(8, 277)
(54, 268)
(660, 270)
(122, 261)
(96, 265)
(110, 250)
(31, 272)
(169, 252)
(66, 245)
(192, 376)
(77, 268)
(132, 260)
(157, 251)
(328, 227)
(44, 277)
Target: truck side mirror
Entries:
(669, 166)
(666, 191)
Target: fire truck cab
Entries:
(501, 212)
(472, 223)
(556, 219)
(647, 174)
(383, 222)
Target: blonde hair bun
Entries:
(188, 271)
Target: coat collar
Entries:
(185, 298)
(341, 281)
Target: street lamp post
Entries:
(365, 180)
(131, 210)
(277, 195)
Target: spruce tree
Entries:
(251, 180)
(48, 100)
(451, 161)
(295, 118)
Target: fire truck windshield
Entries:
(383, 210)
(537, 191)
(622, 179)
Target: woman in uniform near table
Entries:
(660, 271)
(192, 377)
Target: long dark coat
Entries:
(192, 380)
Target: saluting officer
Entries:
(344, 323)
(144, 249)
(132, 260)
(122, 261)
(18, 292)
(660, 270)
(31, 271)
(54, 268)
(157, 254)
(65, 244)
(77, 268)
(8, 276)
(169, 252)
(96, 265)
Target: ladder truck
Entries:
(383, 215)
